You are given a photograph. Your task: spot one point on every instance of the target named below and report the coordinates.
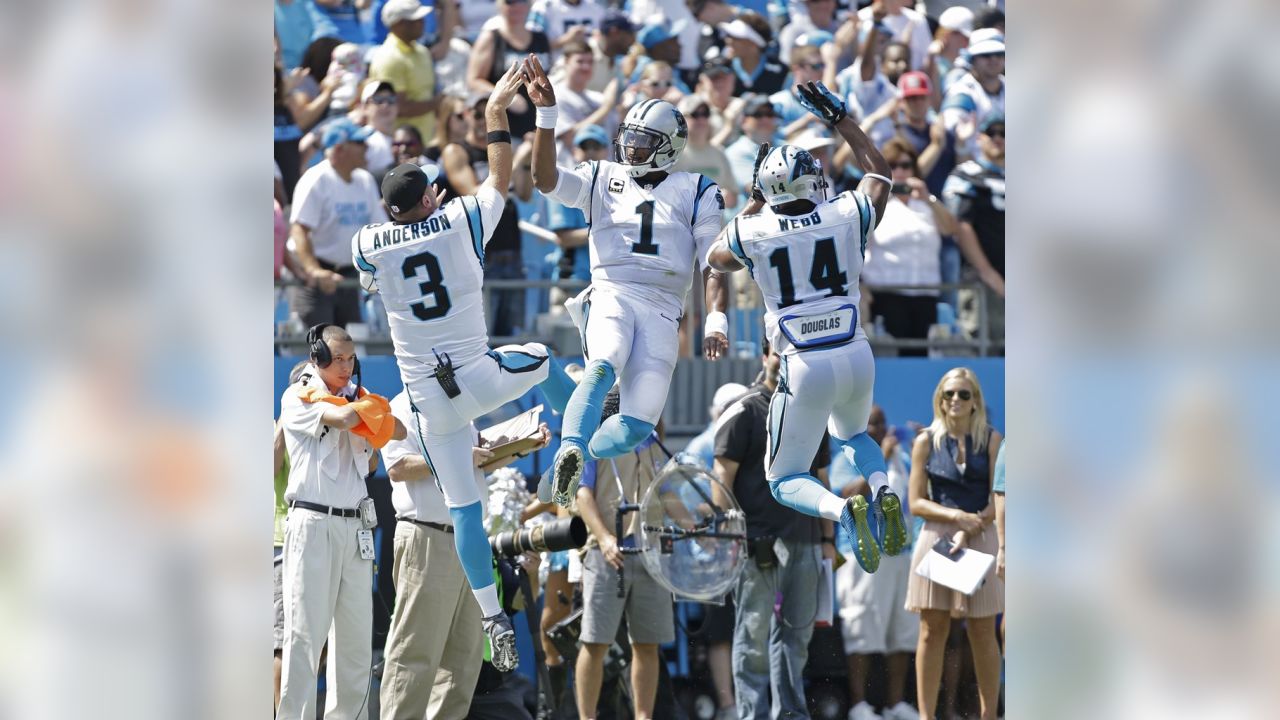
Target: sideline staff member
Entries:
(328, 548)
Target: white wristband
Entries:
(881, 178)
(546, 117)
(716, 322)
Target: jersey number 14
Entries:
(825, 275)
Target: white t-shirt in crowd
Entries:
(918, 39)
(904, 248)
(378, 157)
(419, 499)
(335, 210)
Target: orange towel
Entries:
(376, 422)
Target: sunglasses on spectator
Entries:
(383, 99)
(659, 83)
(700, 114)
(764, 114)
(404, 143)
(994, 132)
(964, 394)
(904, 165)
(814, 66)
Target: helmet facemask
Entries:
(792, 174)
(638, 147)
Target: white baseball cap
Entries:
(397, 10)
(957, 18)
(986, 41)
(725, 395)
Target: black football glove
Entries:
(761, 153)
(820, 101)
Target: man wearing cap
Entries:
(676, 16)
(955, 24)
(333, 200)
(660, 42)
(573, 261)
(428, 265)
(565, 21)
(406, 63)
(975, 195)
(820, 16)
(980, 92)
(379, 102)
(754, 72)
(759, 125)
(806, 66)
(911, 117)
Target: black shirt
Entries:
(506, 236)
(970, 490)
(975, 194)
(742, 438)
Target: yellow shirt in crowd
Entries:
(410, 70)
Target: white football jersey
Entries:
(807, 267)
(644, 241)
(430, 275)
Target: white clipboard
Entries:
(962, 572)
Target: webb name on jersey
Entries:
(430, 274)
(807, 267)
(646, 238)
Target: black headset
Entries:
(320, 353)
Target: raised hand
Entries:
(504, 91)
(537, 84)
(761, 153)
(817, 99)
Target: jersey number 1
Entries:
(433, 286)
(825, 275)
(646, 246)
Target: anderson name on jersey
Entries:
(807, 267)
(644, 238)
(430, 274)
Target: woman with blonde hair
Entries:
(952, 465)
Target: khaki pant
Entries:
(434, 647)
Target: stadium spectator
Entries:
(647, 605)
(658, 81)
(904, 249)
(975, 195)
(700, 155)
(609, 45)
(334, 199)
(951, 474)
(474, 14)
(433, 648)
(655, 42)
(871, 82)
(466, 166)
(754, 71)
(328, 568)
(807, 65)
(312, 86)
(573, 256)
(912, 120)
(873, 617)
(348, 71)
(771, 642)
(451, 127)
(344, 14)
(990, 17)
(299, 23)
(379, 102)
(955, 24)
(978, 92)
(675, 16)
(406, 63)
(452, 55)
(407, 146)
(759, 125)
(819, 16)
(504, 40)
(580, 106)
(287, 135)
(715, 85)
(565, 22)
(906, 25)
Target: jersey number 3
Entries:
(433, 286)
(825, 275)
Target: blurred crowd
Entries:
(362, 85)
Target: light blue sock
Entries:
(473, 545)
(618, 435)
(582, 414)
(866, 455)
(558, 387)
(802, 493)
